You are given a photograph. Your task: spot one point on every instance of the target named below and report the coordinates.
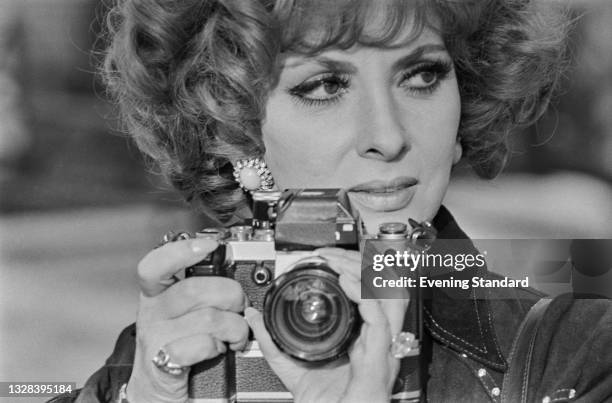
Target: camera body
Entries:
(305, 311)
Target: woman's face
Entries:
(379, 122)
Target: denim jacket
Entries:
(468, 340)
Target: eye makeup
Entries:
(420, 77)
(425, 77)
(322, 89)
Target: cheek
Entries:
(439, 146)
(290, 167)
(300, 151)
(435, 150)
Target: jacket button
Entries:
(482, 372)
(495, 391)
(546, 399)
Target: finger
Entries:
(394, 309)
(200, 292)
(351, 287)
(358, 347)
(189, 350)
(395, 312)
(342, 261)
(285, 368)
(159, 265)
(378, 333)
(372, 362)
(225, 326)
(372, 313)
(255, 320)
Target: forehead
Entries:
(356, 57)
(310, 26)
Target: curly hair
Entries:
(191, 76)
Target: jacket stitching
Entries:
(494, 336)
(450, 343)
(511, 359)
(475, 302)
(527, 369)
(437, 325)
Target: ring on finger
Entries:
(172, 236)
(162, 361)
(404, 344)
(168, 237)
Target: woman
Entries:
(378, 98)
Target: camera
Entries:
(305, 311)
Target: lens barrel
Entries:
(309, 316)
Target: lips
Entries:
(380, 195)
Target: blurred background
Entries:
(78, 208)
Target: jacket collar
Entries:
(456, 317)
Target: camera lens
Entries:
(309, 316)
(315, 308)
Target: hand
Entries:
(370, 374)
(191, 319)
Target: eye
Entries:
(423, 79)
(328, 87)
(426, 77)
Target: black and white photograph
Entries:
(309, 201)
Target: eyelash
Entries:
(300, 91)
(440, 68)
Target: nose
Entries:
(382, 133)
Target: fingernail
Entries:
(200, 245)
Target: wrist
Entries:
(150, 385)
(132, 393)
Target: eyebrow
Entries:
(328, 63)
(416, 54)
(340, 65)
